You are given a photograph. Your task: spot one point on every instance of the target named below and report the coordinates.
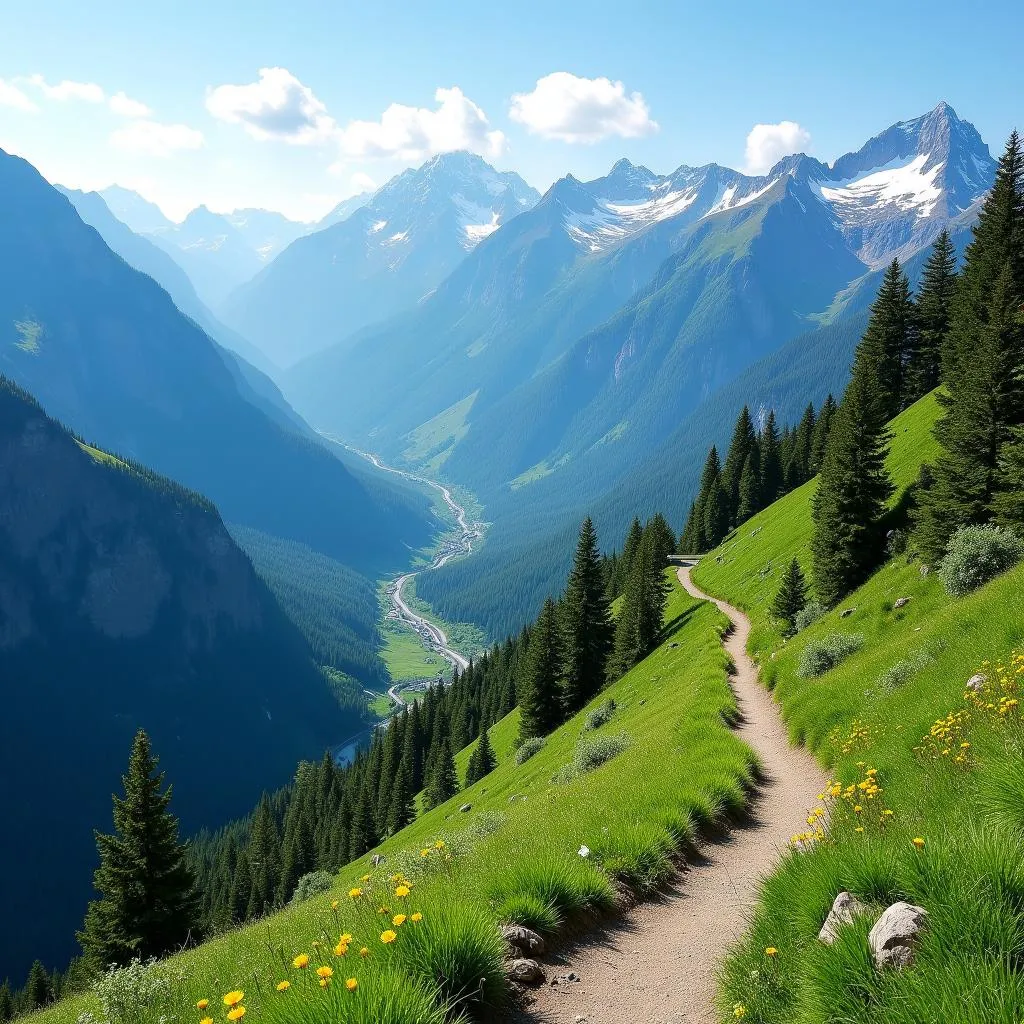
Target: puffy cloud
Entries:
(767, 144)
(90, 92)
(12, 96)
(155, 139)
(361, 182)
(573, 109)
(416, 133)
(278, 106)
(125, 106)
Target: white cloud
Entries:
(573, 109)
(154, 138)
(278, 106)
(12, 96)
(361, 182)
(415, 133)
(90, 92)
(767, 144)
(125, 106)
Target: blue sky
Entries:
(663, 84)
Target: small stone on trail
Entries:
(526, 972)
(901, 602)
(894, 935)
(466, 807)
(562, 979)
(975, 683)
(844, 910)
(523, 939)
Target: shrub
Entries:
(593, 751)
(132, 994)
(600, 716)
(312, 884)
(810, 613)
(975, 555)
(528, 748)
(903, 670)
(821, 655)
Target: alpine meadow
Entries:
(469, 555)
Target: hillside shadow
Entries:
(673, 626)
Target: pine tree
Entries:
(148, 904)
(716, 515)
(889, 338)
(934, 303)
(643, 606)
(264, 858)
(241, 890)
(540, 700)
(750, 492)
(38, 991)
(791, 598)
(629, 549)
(586, 622)
(402, 808)
(853, 485)
(744, 439)
(412, 752)
(481, 761)
(983, 403)
(822, 429)
(798, 464)
(772, 476)
(6, 1002)
(444, 783)
(691, 540)
(363, 835)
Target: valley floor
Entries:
(660, 962)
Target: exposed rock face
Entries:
(894, 936)
(844, 910)
(523, 939)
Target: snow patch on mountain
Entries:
(907, 186)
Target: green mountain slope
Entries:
(125, 603)
(947, 762)
(515, 854)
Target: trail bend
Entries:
(658, 964)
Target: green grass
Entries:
(380, 706)
(514, 856)
(440, 433)
(98, 455)
(872, 711)
(404, 655)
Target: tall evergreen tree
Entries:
(744, 439)
(540, 700)
(772, 475)
(443, 783)
(402, 808)
(148, 904)
(890, 337)
(6, 1002)
(643, 605)
(586, 620)
(819, 439)
(363, 834)
(853, 486)
(750, 492)
(264, 857)
(791, 598)
(983, 403)
(481, 761)
(716, 515)
(934, 303)
(38, 991)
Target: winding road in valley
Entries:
(433, 637)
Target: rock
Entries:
(526, 972)
(901, 602)
(975, 683)
(377, 859)
(465, 807)
(523, 939)
(844, 910)
(846, 611)
(894, 935)
(924, 570)
(564, 979)
(673, 645)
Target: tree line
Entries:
(965, 331)
(760, 467)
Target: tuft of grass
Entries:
(530, 911)
(819, 656)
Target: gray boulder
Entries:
(894, 936)
(844, 910)
(901, 602)
(523, 939)
(466, 808)
(526, 972)
(976, 682)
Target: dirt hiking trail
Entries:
(658, 963)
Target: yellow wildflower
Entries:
(398, 920)
(283, 986)
(739, 1011)
(355, 893)
(364, 878)
(402, 891)
(234, 998)
(439, 845)
(302, 960)
(341, 949)
(202, 1004)
(324, 982)
(325, 971)
(388, 936)
(770, 951)
(918, 843)
(206, 1020)
(351, 984)
(236, 1013)
(334, 904)
(416, 918)
(365, 951)
(424, 853)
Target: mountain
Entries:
(266, 231)
(142, 216)
(107, 352)
(383, 257)
(343, 211)
(577, 335)
(124, 602)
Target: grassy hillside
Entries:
(947, 767)
(513, 856)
